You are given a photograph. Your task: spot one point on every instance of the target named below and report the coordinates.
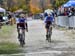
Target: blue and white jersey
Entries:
(48, 19)
(22, 20)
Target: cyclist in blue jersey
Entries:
(48, 22)
(22, 22)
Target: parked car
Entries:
(5, 20)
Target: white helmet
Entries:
(49, 13)
(22, 15)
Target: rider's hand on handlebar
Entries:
(26, 30)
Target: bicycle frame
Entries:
(20, 31)
(21, 36)
(49, 33)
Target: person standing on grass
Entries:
(1, 19)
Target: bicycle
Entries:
(21, 36)
(49, 33)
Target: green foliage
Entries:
(23, 4)
(1, 2)
(9, 48)
(58, 3)
(14, 5)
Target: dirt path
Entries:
(36, 45)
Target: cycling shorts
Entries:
(21, 25)
(48, 23)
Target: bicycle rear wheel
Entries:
(21, 43)
(49, 38)
(49, 35)
(21, 40)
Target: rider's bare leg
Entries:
(46, 34)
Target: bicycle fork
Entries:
(48, 35)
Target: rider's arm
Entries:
(26, 24)
(45, 19)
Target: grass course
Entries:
(6, 47)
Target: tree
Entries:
(27, 6)
(13, 5)
(17, 4)
(34, 10)
(43, 4)
(1, 2)
(10, 4)
(58, 3)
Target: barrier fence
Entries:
(65, 21)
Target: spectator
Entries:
(41, 16)
(1, 20)
(9, 16)
(10, 19)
